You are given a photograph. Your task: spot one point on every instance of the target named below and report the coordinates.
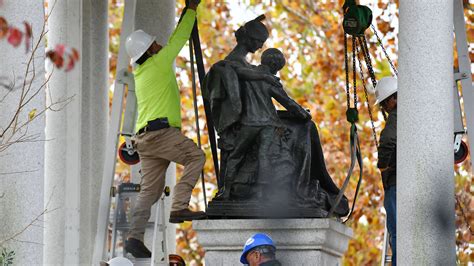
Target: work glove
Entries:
(193, 3)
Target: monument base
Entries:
(298, 241)
(254, 209)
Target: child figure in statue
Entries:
(259, 120)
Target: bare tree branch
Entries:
(13, 237)
(33, 222)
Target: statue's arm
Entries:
(249, 74)
(252, 74)
(279, 94)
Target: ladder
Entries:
(125, 198)
(462, 76)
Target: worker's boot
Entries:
(177, 217)
(137, 248)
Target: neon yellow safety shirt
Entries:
(156, 87)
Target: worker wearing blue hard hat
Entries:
(259, 250)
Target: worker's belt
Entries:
(154, 125)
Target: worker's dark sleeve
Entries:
(279, 94)
(387, 150)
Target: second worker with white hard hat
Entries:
(386, 93)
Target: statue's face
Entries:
(254, 44)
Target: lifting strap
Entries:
(195, 54)
(352, 117)
(207, 106)
(196, 116)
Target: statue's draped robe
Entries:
(298, 171)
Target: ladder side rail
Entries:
(459, 129)
(118, 207)
(458, 123)
(130, 114)
(385, 246)
(164, 229)
(160, 225)
(100, 243)
(156, 227)
(464, 63)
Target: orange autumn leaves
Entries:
(61, 56)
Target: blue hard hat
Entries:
(256, 240)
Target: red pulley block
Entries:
(127, 158)
(462, 153)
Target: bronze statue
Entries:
(271, 161)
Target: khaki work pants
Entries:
(157, 149)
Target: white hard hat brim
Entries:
(135, 58)
(379, 101)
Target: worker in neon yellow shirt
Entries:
(158, 138)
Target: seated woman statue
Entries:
(266, 156)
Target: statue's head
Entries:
(252, 34)
(274, 59)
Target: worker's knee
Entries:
(201, 157)
(195, 157)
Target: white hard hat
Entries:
(120, 261)
(385, 87)
(137, 44)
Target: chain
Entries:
(366, 94)
(354, 70)
(368, 62)
(384, 51)
(347, 71)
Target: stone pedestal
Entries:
(298, 241)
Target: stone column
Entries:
(158, 18)
(95, 115)
(21, 165)
(298, 241)
(425, 215)
(74, 154)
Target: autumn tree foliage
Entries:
(311, 36)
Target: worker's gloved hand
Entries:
(193, 4)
